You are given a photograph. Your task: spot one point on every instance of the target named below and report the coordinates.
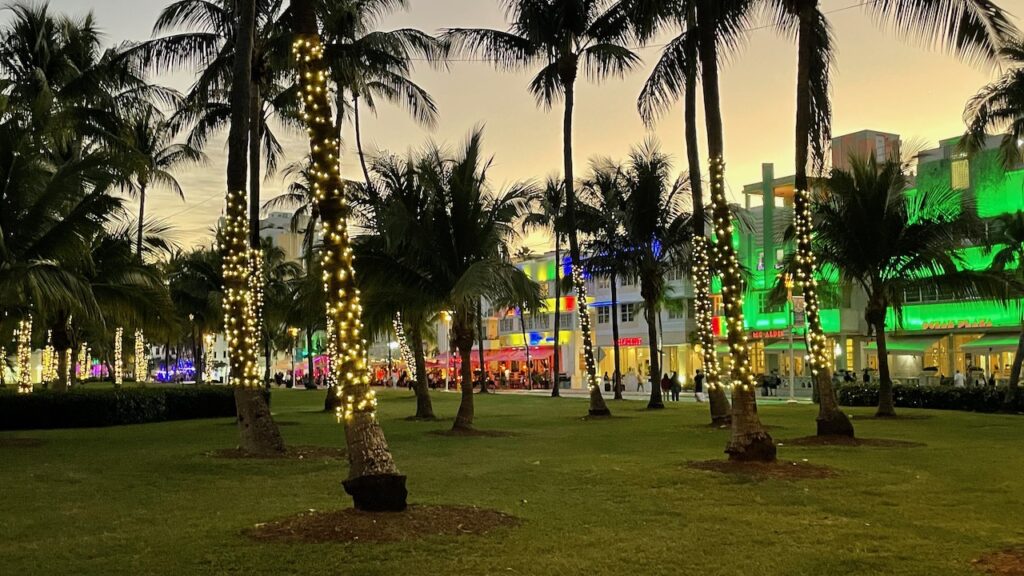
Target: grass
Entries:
(598, 497)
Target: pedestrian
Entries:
(607, 382)
(766, 382)
(698, 386)
(677, 387)
(958, 380)
(666, 387)
(867, 377)
(992, 380)
(639, 381)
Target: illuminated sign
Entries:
(767, 334)
(631, 341)
(957, 324)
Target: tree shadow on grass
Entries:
(352, 525)
(472, 433)
(778, 470)
(21, 442)
(850, 442)
(290, 453)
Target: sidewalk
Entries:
(642, 396)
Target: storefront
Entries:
(635, 358)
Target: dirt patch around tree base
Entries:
(1006, 562)
(847, 441)
(471, 433)
(351, 525)
(290, 453)
(779, 470)
(21, 442)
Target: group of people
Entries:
(671, 386)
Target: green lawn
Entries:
(596, 497)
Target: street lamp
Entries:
(295, 343)
(792, 328)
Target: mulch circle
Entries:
(472, 432)
(1006, 562)
(778, 470)
(20, 442)
(847, 441)
(290, 453)
(352, 525)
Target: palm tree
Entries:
(916, 241)
(153, 152)
(1010, 256)
(656, 235)
(973, 28)
(373, 481)
(456, 252)
(369, 65)
(398, 198)
(677, 72)
(601, 216)
(564, 36)
(259, 433)
(551, 217)
(999, 106)
(278, 272)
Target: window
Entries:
(628, 280)
(960, 177)
(764, 306)
(677, 309)
(603, 314)
(506, 324)
(547, 288)
(691, 308)
(675, 274)
(760, 261)
(603, 282)
(628, 312)
(780, 256)
(541, 322)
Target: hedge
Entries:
(82, 408)
(973, 399)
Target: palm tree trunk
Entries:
(886, 402)
(651, 316)
(424, 407)
(266, 367)
(462, 338)
(258, 432)
(359, 139)
(61, 344)
(749, 440)
(480, 340)
(831, 420)
(617, 377)
(142, 219)
(557, 352)
(167, 359)
(718, 402)
(528, 383)
(598, 407)
(1013, 386)
(373, 481)
(255, 161)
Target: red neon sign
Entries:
(631, 341)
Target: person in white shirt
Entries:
(958, 380)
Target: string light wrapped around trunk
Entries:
(819, 353)
(403, 346)
(585, 329)
(25, 355)
(141, 362)
(49, 360)
(82, 367)
(701, 274)
(255, 285)
(208, 342)
(3, 366)
(239, 322)
(118, 363)
(67, 366)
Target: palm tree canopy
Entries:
(999, 107)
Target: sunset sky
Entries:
(880, 82)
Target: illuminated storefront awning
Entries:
(799, 346)
(992, 342)
(906, 346)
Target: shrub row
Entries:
(974, 399)
(81, 408)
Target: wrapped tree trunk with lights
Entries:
(750, 441)
(257, 430)
(24, 358)
(373, 481)
(813, 113)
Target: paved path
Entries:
(640, 396)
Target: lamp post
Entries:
(295, 343)
(792, 327)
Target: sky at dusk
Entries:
(880, 82)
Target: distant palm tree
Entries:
(457, 251)
(999, 106)
(152, 153)
(1010, 256)
(278, 271)
(601, 218)
(550, 217)
(563, 36)
(915, 242)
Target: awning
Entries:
(993, 342)
(799, 346)
(905, 346)
(536, 353)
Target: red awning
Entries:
(536, 353)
